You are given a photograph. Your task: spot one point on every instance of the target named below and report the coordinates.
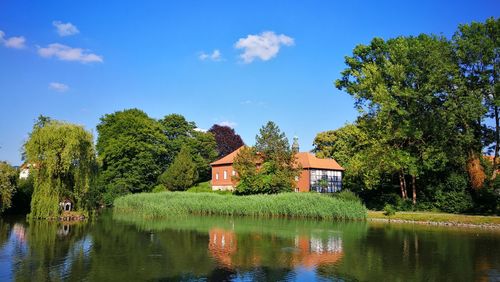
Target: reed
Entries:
(299, 205)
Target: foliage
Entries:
(22, 198)
(133, 152)
(307, 205)
(8, 185)
(182, 173)
(179, 133)
(268, 168)
(423, 102)
(389, 210)
(63, 159)
(347, 196)
(201, 187)
(226, 138)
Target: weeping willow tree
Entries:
(63, 158)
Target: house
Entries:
(320, 175)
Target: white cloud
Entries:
(17, 42)
(65, 29)
(200, 129)
(59, 87)
(66, 53)
(228, 123)
(264, 46)
(214, 56)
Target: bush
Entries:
(348, 196)
(307, 205)
(159, 188)
(389, 210)
(453, 201)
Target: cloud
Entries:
(66, 53)
(216, 56)
(59, 87)
(200, 129)
(17, 42)
(65, 29)
(264, 46)
(228, 123)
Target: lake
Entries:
(193, 248)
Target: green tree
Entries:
(8, 184)
(269, 168)
(477, 49)
(133, 151)
(414, 106)
(63, 158)
(182, 173)
(181, 132)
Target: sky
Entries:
(236, 63)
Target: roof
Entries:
(306, 159)
(227, 159)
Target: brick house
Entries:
(320, 175)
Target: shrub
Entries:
(389, 210)
(348, 196)
(159, 188)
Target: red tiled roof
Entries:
(227, 159)
(306, 159)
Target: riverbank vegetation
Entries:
(302, 205)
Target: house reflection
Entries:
(308, 251)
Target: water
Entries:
(115, 248)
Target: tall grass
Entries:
(302, 205)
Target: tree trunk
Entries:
(414, 188)
(497, 145)
(402, 185)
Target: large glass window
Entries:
(326, 181)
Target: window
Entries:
(234, 172)
(217, 176)
(296, 178)
(225, 174)
(296, 189)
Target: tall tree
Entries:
(227, 139)
(182, 173)
(63, 158)
(477, 48)
(272, 169)
(8, 184)
(420, 115)
(133, 150)
(179, 133)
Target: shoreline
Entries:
(437, 219)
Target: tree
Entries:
(227, 139)
(182, 173)
(8, 184)
(180, 132)
(477, 49)
(133, 150)
(417, 112)
(63, 158)
(269, 168)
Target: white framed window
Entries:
(217, 176)
(234, 172)
(225, 174)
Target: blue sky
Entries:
(233, 62)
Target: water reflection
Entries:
(220, 248)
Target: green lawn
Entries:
(437, 217)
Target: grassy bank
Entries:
(437, 218)
(303, 205)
